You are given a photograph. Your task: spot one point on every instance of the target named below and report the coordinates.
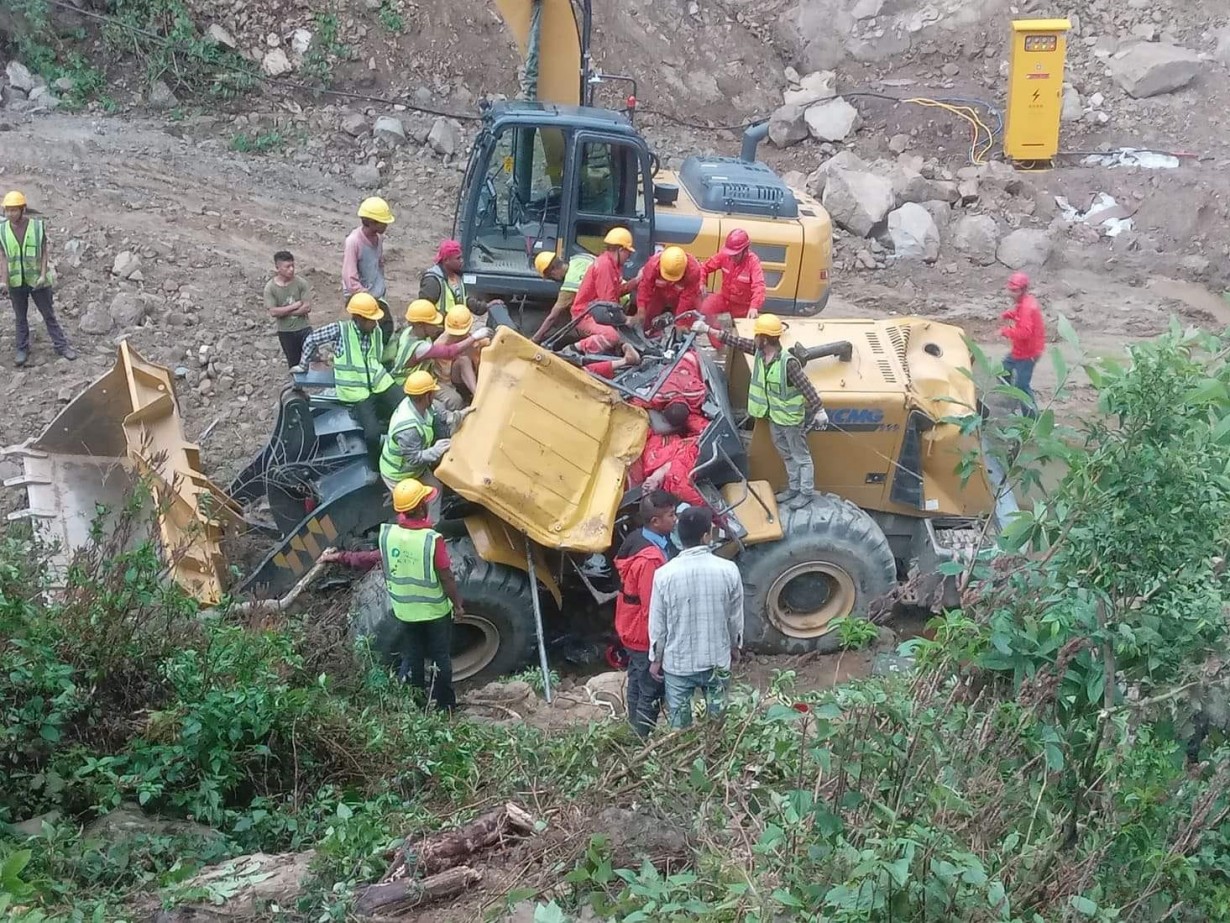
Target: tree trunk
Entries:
(398, 896)
(433, 854)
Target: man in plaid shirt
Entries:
(695, 621)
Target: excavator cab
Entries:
(556, 178)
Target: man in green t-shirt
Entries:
(287, 300)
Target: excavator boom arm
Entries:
(552, 48)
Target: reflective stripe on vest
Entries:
(24, 257)
(448, 297)
(770, 394)
(357, 374)
(414, 586)
(577, 267)
(392, 462)
(407, 342)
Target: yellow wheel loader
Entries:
(555, 172)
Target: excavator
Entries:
(554, 171)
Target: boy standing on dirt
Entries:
(287, 301)
(640, 556)
(695, 621)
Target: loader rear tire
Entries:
(495, 636)
(832, 562)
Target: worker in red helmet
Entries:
(671, 281)
(742, 291)
(1026, 331)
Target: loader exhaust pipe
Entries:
(752, 136)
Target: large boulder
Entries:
(445, 137)
(911, 186)
(815, 87)
(390, 130)
(913, 233)
(1151, 68)
(244, 888)
(96, 320)
(976, 236)
(128, 823)
(857, 200)
(128, 309)
(1073, 106)
(845, 160)
(787, 126)
(833, 120)
(19, 76)
(1024, 248)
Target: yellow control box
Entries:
(1035, 89)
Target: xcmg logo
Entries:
(846, 416)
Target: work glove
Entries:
(819, 421)
(462, 414)
(436, 452)
(480, 333)
(752, 314)
(699, 326)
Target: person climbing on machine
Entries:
(781, 393)
(416, 346)
(458, 377)
(569, 275)
(670, 281)
(419, 435)
(422, 589)
(743, 288)
(1026, 330)
(604, 281)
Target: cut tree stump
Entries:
(394, 897)
(437, 852)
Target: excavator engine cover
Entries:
(737, 187)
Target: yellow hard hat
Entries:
(377, 209)
(543, 262)
(458, 321)
(362, 304)
(409, 493)
(619, 237)
(673, 264)
(420, 382)
(14, 199)
(422, 311)
(768, 325)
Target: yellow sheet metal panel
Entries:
(559, 66)
(761, 518)
(1035, 89)
(547, 448)
(497, 542)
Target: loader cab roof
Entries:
(582, 117)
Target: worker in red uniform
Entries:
(1027, 332)
(604, 281)
(669, 459)
(742, 291)
(670, 281)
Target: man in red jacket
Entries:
(1027, 333)
(603, 281)
(742, 291)
(639, 557)
(670, 281)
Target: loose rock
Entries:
(977, 236)
(1151, 68)
(276, 63)
(219, 36)
(445, 137)
(354, 124)
(126, 263)
(914, 234)
(787, 126)
(834, 120)
(161, 97)
(1024, 248)
(390, 130)
(365, 176)
(857, 200)
(19, 76)
(1073, 108)
(96, 320)
(815, 87)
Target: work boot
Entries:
(23, 356)
(68, 353)
(783, 495)
(801, 501)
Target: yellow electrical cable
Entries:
(978, 149)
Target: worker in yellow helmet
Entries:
(458, 377)
(359, 376)
(27, 276)
(670, 281)
(569, 276)
(415, 346)
(604, 281)
(419, 434)
(363, 259)
(423, 592)
(781, 394)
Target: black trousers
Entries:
(424, 641)
(291, 342)
(373, 415)
(644, 694)
(21, 297)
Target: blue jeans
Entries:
(644, 694)
(1019, 373)
(680, 688)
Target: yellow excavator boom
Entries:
(558, 47)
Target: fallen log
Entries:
(394, 897)
(438, 852)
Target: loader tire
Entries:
(494, 637)
(832, 561)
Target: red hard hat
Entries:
(1018, 282)
(737, 240)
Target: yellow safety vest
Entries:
(414, 586)
(358, 374)
(407, 342)
(448, 298)
(406, 416)
(24, 257)
(771, 394)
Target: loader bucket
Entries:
(123, 428)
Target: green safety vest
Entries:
(406, 416)
(407, 342)
(448, 298)
(414, 586)
(357, 374)
(770, 394)
(24, 257)
(577, 267)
